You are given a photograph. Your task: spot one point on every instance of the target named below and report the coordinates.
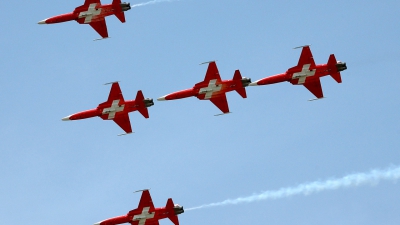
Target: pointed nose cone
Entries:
(42, 21)
(253, 84)
(66, 118)
(162, 98)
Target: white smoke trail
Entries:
(151, 2)
(351, 180)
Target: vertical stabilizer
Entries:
(335, 74)
(143, 104)
(171, 212)
(243, 82)
(119, 9)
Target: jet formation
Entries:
(213, 88)
(146, 214)
(92, 12)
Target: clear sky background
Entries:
(81, 172)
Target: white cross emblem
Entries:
(144, 216)
(90, 13)
(305, 72)
(113, 109)
(210, 89)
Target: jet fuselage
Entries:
(297, 77)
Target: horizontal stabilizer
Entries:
(242, 92)
(144, 112)
(120, 16)
(337, 77)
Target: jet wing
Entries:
(101, 27)
(212, 75)
(123, 121)
(221, 102)
(306, 57)
(146, 201)
(115, 93)
(212, 72)
(315, 87)
(86, 5)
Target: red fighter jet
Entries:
(307, 73)
(146, 214)
(93, 13)
(213, 88)
(116, 108)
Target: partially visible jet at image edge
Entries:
(92, 12)
(146, 214)
(307, 73)
(116, 108)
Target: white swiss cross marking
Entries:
(210, 89)
(90, 13)
(144, 216)
(113, 109)
(305, 72)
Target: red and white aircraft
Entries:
(116, 108)
(307, 73)
(92, 12)
(146, 214)
(213, 88)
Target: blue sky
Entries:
(81, 172)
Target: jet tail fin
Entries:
(241, 90)
(143, 104)
(119, 11)
(335, 74)
(171, 212)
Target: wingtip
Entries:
(221, 114)
(99, 39)
(212, 61)
(112, 82)
(146, 189)
(125, 134)
(301, 46)
(315, 99)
